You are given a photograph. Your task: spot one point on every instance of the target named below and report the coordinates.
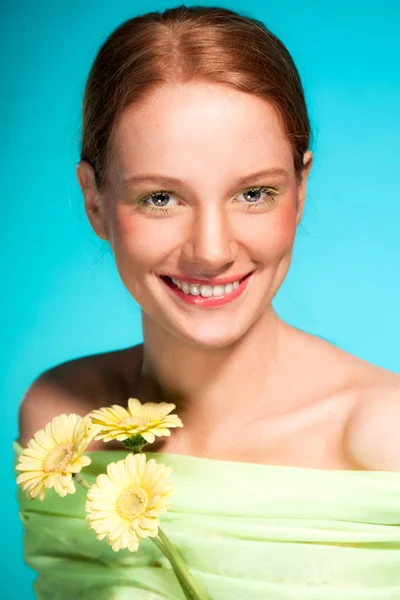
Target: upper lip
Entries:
(214, 281)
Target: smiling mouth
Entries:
(204, 290)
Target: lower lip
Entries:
(212, 301)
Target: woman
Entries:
(194, 164)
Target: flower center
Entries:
(58, 458)
(132, 503)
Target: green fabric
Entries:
(245, 531)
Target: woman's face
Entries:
(181, 205)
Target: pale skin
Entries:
(248, 386)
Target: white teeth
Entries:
(218, 290)
(194, 289)
(228, 288)
(206, 291)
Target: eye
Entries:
(258, 196)
(160, 200)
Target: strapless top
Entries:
(245, 530)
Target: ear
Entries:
(307, 162)
(92, 198)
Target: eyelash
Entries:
(272, 193)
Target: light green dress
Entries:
(246, 531)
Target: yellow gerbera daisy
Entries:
(149, 420)
(124, 504)
(53, 454)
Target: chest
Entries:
(316, 441)
(312, 438)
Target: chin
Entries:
(212, 336)
(211, 328)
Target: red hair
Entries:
(181, 45)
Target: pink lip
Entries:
(208, 302)
(215, 281)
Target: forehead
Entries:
(200, 126)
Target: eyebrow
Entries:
(164, 179)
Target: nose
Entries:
(211, 244)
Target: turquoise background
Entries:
(61, 296)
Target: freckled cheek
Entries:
(141, 243)
(272, 235)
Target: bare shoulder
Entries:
(79, 386)
(371, 395)
(372, 433)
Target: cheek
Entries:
(138, 241)
(272, 235)
(283, 228)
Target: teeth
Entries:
(229, 288)
(206, 291)
(218, 290)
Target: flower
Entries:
(54, 454)
(149, 420)
(124, 504)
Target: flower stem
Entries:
(135, 443)
(79, 478)
(189, 585)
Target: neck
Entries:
(210, 386)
